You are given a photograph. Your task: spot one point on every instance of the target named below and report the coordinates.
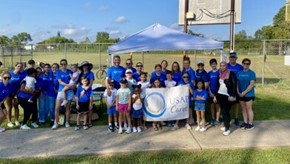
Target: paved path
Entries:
(66, 141)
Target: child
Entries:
(30, 82)
(73, 80)
(110, 94)
(144, 84)
(123, 105)
(84, 103)
(130, 80)
(169, 82)
(200, 97)
(213, 80)
(156, 84)
(137, 112)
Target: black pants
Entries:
(29, 109)
(225, 106)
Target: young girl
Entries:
(200, 97)
(73, 80)
(123, 105)
(169, 82)
(110, 94)
(84, 103)
(156, 84)
(144, 84)
(130, 81)
(137, 112)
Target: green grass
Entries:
(237, 156)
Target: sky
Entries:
(78, 19)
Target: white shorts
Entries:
(69, 95)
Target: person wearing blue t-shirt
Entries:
(188, 69)
(129, 65)
(158, 74)
(139, 70)
(235, 67)
(246, 83)
(5, 88)
(201, 74)
(115, 72)
(212, 90)
(200, 96)
(63, 76)
(176, 73)
(164, 65)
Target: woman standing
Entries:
(164, 65)
(226, 95)
(246, 82)
(139, 70)
(5, 88)
(188, 69)
(158, 74)
(176, 73)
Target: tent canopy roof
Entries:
(159, 38)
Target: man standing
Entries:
(115, 72)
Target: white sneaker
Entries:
(223, 129)
(30, 101)
(125, 126)
(67, 125)
(64, 102)
(188, 126)
(55, 126)
(2, 129)
(120, 130)
(139, 129)
(25, 127)
(134, 130)
(226, 133)
(197, 128)
(202, 129)
(128, 130)
(191, 121)
(10, 125)
(17, 123)
(34, 124)
(175, 127)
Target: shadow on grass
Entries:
(268, 80)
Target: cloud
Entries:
(120, 19)
(88, 5)
(103, 8)
(115, 34)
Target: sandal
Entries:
(154, 127)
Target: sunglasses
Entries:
(200, 65)
(139, 66)
(63, 64)
(128, 63)
(184, 76)
(5, 78)
(246, 63)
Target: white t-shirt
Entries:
(223, 90)
(123, 94)
(137, 105)
(144, 85)
(111, 98)
(170, 84)
(75, 75)
(30, 82)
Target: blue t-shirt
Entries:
(201, 76)
(236, 68)
(55, 84)
(87, 95)
(161, 77)
(213, 80)
(202, 93)
(64, 77)
(15, 81)
(27, 95)
(136, 76)
(116, 73)
(4, 90)
(244, 79)
(176, 76)
(181, 82)
(90, 75)
(191, 73)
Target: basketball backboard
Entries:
(209, 11)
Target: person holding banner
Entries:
(186, 81)
(226, 95)
(156, 84)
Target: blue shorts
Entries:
(69, 95)
(112, 110)
(137, 113)
(199, 106)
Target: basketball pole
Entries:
(232, 26)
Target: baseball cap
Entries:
(129, 71)
(111, 82)
(233, 54)
(123, 81)
(200, 62)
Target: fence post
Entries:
(100, 57)
(264, 62)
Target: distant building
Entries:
(29, 47)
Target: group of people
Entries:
(42, 91)
(230, 85)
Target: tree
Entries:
(4, 40)
(87, 40)
(56, 39)
(102, 37)
(21, 39)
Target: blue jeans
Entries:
(46, 104)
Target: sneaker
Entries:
(77, 128)
(175, 127)
(216, 123)
(64, 102)
(163, 123)
(55, 126)
(17, 123)
(2, 129)
(191, 121)
(128, 130)
(85, 127)
(197, 128)
(249, 127)
(10, 125)
(202, 129)
(25, 127)
(237, 122)
(34, 124)
(30, 100)
(226, 133)
(212, 122)
(125, 126)
(67, 125)
(116, 127)
(15, 97)
(139, 129)
(134, 130)
(110, 128)
(188, 126)
(243, 125)
(120, 130)
(223, 129)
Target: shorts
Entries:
(247, 99)
(123, 108)
(69, 95)
(12, 95)
(3, 106)
(137, 113)
(199, 106)
(84, 107)
(211, 100)
(112, 110)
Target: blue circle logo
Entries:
(156, 107)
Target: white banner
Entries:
(163, 104)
